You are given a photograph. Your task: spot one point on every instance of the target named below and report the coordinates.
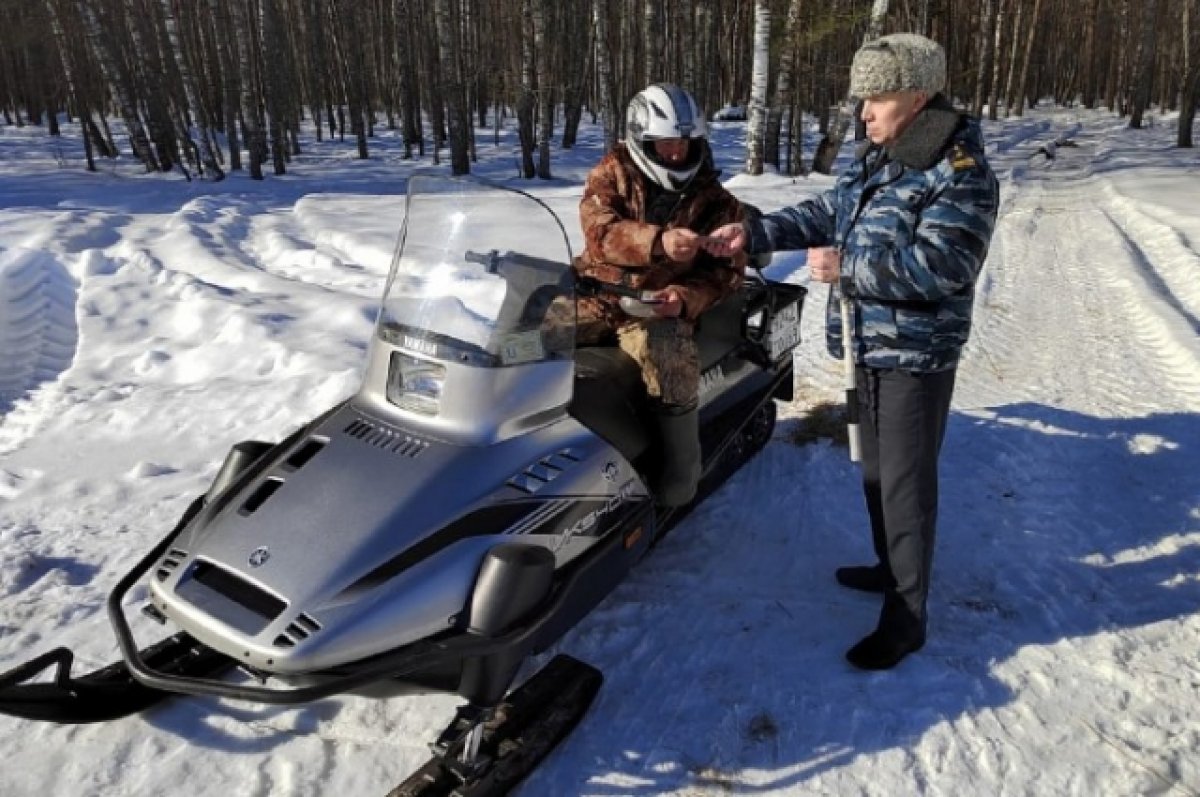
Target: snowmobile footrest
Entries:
(522, 731)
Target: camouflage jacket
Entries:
(913, 222)
(619, 239)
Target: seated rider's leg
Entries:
(666, 352)
(595, 323)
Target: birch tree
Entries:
(783, 106)
(453, 87)
(525, 103)
(756, 128)
(545, 93)
(652, 44)
(120, 84)
(1190, 84)
(604, 77)
(1017, 100)
(1010, 80)
(1145, 64)
(827, 150)
(997, 57)
(987, 36)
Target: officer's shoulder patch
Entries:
(960, 159)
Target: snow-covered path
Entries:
(1064, 628)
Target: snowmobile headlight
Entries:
(415, 384)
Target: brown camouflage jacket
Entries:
(619, 241)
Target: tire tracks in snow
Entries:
(1085, 355)
(39, 335)
(1062, 318)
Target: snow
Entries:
(147, 323)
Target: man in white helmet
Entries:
(645, 210)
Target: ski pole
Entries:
(852, 431)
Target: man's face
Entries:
(672, 151)
(887, 115)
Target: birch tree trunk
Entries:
(577, 39)
(1145, 64)
(756, 127)
(458, 114)
(525, 104)
(827, 150)
(1022, 87)
(997, 58)
(783, 103)
(1010, 79)
(66, 53)
(275, 82)
(1117, 37)
(119, 83)
(197, 99)
(604, 77)
(252, 122)
(545, 90)
(987, 36)
(652, 44)
(1190, 89)
(410, 98)
(1088, 64)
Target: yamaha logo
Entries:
(611, 472)
(259, 556)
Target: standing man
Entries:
(644, 213)
(903, 234)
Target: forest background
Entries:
(209, 86)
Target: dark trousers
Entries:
(903, 420)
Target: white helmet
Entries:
(665, 111)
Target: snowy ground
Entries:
(147, 323)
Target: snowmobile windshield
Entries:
(481, 276)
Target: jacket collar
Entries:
(923, 142)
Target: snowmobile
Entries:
(479, 494)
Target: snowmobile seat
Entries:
(610, 398)
(720, 330)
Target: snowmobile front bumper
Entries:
(535, 633)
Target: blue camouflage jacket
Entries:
(913, 222)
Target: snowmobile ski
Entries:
(108, 693)
(522, 731)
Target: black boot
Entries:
(679, 436)
(865, 578)
(900, 632)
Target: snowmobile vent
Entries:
(298, 631)
(260, 496)
(172, 560)
(389, 439)
(544, 471)
(237, 589)
(304, 453)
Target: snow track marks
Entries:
(38, 331)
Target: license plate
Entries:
(785, 331)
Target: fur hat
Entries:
(899, 62)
